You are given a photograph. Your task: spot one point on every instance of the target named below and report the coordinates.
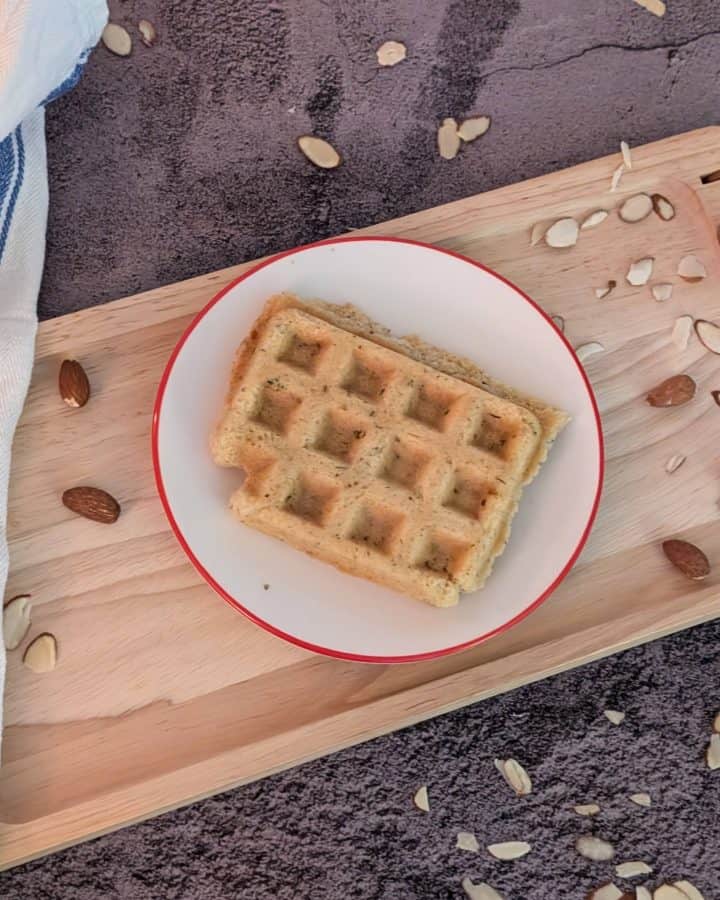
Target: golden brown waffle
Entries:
(370, 460)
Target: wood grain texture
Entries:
(163, 694)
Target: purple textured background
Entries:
(181, 159)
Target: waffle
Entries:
(371, 460)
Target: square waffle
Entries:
(371, 460)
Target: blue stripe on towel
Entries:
(71, 80)
(12, 170)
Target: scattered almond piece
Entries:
(641, 799)
(656, 7)
(586, 350)
(473, 128)
(558, 322)
(636, 208)
(639, 272)
(148, 33)
(594, 848)
(616, 176)
(716, 723)
(642, 893)
(632, 869)
(515, 775)
(73, 383)
(716, 396)
(662, 292)
(481, 891)
(509, 850)
(668, 891)
(319, 152)
(16, 620)
(712, 756)
(708, 334)
(689, 889)
(614, 716)
(606, 892)
(537, 233)
(466, 840)
(564, 233)
(691, 268)
(587, 809)
(421, 799)
(594, 219)
(625, 150)
(674, 391)
(391, 53)
(663, 207)
(674, 463)
(116, 39)
(41, 654)
(447, 139)
(682, 331)
(688, 559)
(602, 292)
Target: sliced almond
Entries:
(627, 157)
(614, 716)
(41, 654)
(587, 809)
(716, 723)
(584, 351)
(669, 892)
(681, 331)
(616, 176)
(558, 322)
(716, 396)
(537, 233)
(16, 620)
(148, 33)
(674, 463)
(481, 891)
(606, 892)
(641, 799)
(602, 292)
(391, 53)
(421, 799)
(691, 268)
(689, 889)
(117, 39)
(687, 558)
(447, 139)
(509, 850)
(515, 775)
(656, 7)
(564, 233)
(712, 755)
(594, 848)
(319, 152)
(663, 207)
(662, 292)
(642, 893)
(708, 334)
(473, 128)
(594, 219)
(639, 272)
(636, 208)
(632, 869)
(674, 391)
(466, 840)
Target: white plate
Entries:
(452, 302)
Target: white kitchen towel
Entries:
(44, 45)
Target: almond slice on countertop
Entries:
(662, 292)
(481, 891)
(632, 869)
(669, 892)
(515, 775)
(689, 889)
(509, 850)
(687, 558)
(636, 208)
(663, 207)
(656, 7)
(626, 155)
(616, 176)
(594, 219)
(691, 268)
(584, 351)
(421, 799)
(641, 799)
(116, 39)
(319, 152)
(674, 391)
(594, 848)
(41, 654)
(614, 716)
(448, 140)
(391, 53)
(564, 233)
(16, 620)
(587, 809)
(712, 755)
(606, 892)
(708, 334)
(602, 292)
(640, 272)
(674, 463)
(681, 331)
(473, 128)
(466, 840)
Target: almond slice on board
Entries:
(708, 334)
(640, 271)
(632, 869)
(614, 716)
(391, 53)
(674, 463)
(616, 176)
(594, 219)
(669, 892)
(636, 208)
(481, 891)
(509, 850)
(663, 207)
(606, 892)
(626, 155)
(466, 840)
(473, 128)
(594, 848)
(564, 233)
(688, 558)
(515, 775)
(584, 351)
(16, 620)
(641, 799)
(674, 391)
(319, 152)
(662, 292)
(448, 140)
(681, 331)
(116, 39)
(602, 292)
(712, 754)
(689, 889)
(691, 268)
(587, 809)
(537, 233)
(41, 654)
(656, 7)
(421, 799)
(642, 893)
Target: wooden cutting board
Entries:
(163, 694)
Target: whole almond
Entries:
(93, 503)
(73, 383)
(688, 558)
(673, 391)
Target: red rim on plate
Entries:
(327, 651)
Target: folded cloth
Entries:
(44, 45)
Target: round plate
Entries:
(453, 303)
